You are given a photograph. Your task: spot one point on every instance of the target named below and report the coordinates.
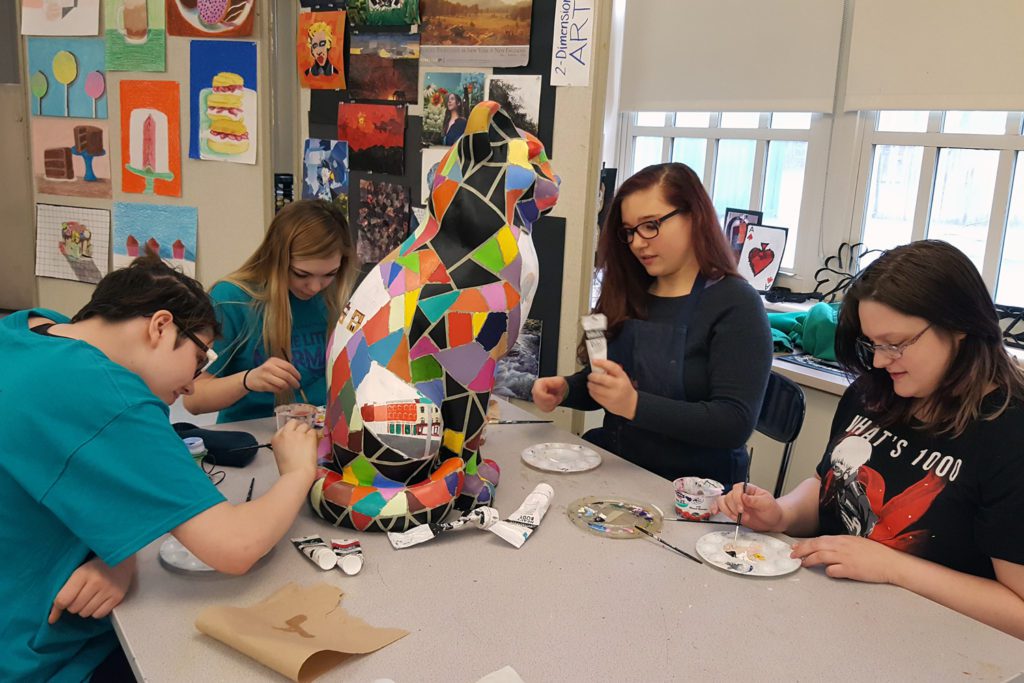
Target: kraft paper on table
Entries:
(299, 631)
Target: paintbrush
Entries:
(248, 496)
(739, 517)
(520, 422)
(301, 392)
(246, 448)
(699, 521)
(657, 538)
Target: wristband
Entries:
(244, 377)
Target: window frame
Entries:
(933, 140)
(812, 200)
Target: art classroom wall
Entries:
(234, 200)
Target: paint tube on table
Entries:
(318, 552)
(594, 327)
(349, 552)
(481, 518)
(521, 523)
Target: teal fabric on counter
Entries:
(814, 330)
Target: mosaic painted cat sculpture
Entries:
(411, 362)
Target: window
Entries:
(746, 160)
(955, 176)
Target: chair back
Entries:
(782, 412)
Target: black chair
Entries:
(782, 416)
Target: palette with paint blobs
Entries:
(614, 517)
(748, 553)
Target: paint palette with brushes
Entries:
(748, 553)
(614, 517)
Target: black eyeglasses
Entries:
(211, 355)
(648, 229)
(891, 351)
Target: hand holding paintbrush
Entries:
(301, 392)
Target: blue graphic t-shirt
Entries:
(241, 348)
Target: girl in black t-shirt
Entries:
(922, 483)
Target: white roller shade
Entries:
(730, 55)
(929, 54)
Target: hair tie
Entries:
(245, 377)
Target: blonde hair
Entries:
(305, 229)
(321, 26)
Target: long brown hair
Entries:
(305, 229)
(933, 280)
(624, 281)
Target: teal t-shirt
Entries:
(90, 463)
(241, 348)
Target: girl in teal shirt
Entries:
(276, 311)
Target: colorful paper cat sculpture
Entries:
(411, 362)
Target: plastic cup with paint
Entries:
(303, 412)
(697, 497)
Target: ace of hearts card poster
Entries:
(762, 253)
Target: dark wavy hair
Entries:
(148, 285)
(624, 281)
(933, 280)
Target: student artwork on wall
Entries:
(60, 17)
(735, 225)
(383, 220)
(471, 32)
(325, 171)
(448, 97)
(69, 157)
(762, 253)
(67, 77)
(210, 18)
(383, 12)
(320, 50)
(168, 231)
(519, 96)
(222, 101)
(136, 39)
(383, 66)
(72, 242)
(432, 156)
(151, 137)
(375, 134)
(515, 374)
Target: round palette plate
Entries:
(176, 558)
(614, 517)
(561, 457)
(753, 554)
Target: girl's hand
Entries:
(549, 392)
(849, 557)
(274, 376)
(94, 589)
(761, 512)
(294, 447)
(613, 389)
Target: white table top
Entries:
(568, 605)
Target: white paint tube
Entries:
(518, 527)
(349, 552)
(594, 327)
(318, 552)
(481, 518)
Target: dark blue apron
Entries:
(651, 353)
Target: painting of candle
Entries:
(168, 231)
(67, 77)
(150, 138)
(223, 101)
(136, 38)
(210, 18)
(60, 17)
(69, 157)
(72, 242)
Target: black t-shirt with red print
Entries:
(957, 502)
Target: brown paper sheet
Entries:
(300, 631)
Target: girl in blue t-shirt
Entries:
(93, 466)
(276, 311)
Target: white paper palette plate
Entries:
(561, 457)
(176, 558)
(752, 554)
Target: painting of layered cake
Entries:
(206, 18)
(72, 242)
(224, 101)
(151, 138)
(69, 157)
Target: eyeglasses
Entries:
(891, 351)
(211, 355)
(648, 229)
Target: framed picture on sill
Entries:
(761, 257)
(735, 227)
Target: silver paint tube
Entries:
(318, 552)
(594, 327)
(518, 527)
(349, 552)
(481, 518)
